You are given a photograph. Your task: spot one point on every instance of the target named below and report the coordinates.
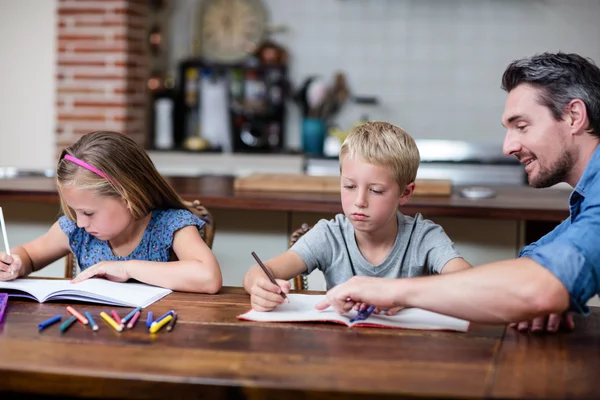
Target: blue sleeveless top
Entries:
(154, 246)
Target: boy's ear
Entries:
(406, 194)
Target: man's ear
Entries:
(406, 194)
(576, 116)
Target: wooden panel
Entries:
(325, 184)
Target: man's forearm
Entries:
(505, 291)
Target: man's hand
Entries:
(378, 292)
(549, 323)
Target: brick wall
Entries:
(101, 72)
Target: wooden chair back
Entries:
(300, 281)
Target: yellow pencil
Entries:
(155, 327)
(111, 321)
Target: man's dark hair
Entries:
(560, 78)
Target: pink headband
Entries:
(86, 166)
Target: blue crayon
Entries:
(65, 325)
(92, 322)
(48, 322)
(171, 313)
(363, 314)
(125, 320)
(149, 320)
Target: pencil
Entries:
(271, 278)
(65, 325)
(156, 325)
(77, 315)
(134, 319)
(117, 319)
(126, 319)
(6, 246)
(91, 320)
(111, 321)
(172, 323)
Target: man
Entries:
(552, 117)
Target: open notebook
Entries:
(91, 290)
(301, 308)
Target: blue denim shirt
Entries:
(572, 250)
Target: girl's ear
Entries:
(126, 203)
(406, 194)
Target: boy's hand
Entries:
(10, 266)
(265, 296)
(112, 270)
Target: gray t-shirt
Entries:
(421, 248)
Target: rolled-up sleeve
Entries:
(574, 257)
(547, 238)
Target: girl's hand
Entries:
(10, 266)
(115, 271)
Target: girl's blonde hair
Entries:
(385, 145)
(131, 173)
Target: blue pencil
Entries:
(171, 313)
(92, 322)
(48, 322)
(363, 314)
(149, 320)
(125, 320)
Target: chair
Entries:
(300, 281)
(196, 207)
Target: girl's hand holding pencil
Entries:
(10, 265)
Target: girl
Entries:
(122, 221)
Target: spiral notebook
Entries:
(100, 291)
(301, 308)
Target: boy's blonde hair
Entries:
(131, 174)
(384, 145)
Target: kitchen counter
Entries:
(216, 192)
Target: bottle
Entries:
(164, 108)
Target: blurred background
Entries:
(235, 87)
(237, 75)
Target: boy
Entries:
(378, 166)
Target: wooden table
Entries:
(210, 354)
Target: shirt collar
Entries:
(589, 173)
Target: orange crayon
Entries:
(77, 315)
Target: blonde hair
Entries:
(131, 173)
(385, 145)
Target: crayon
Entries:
(157, 325)
(133, 320)
(92, 322)
(111, 321)
(77, 315)
(43, 325)
(65, 325)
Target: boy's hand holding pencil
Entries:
(265, 295)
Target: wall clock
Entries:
(230, 30)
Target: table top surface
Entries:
(212, 353)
